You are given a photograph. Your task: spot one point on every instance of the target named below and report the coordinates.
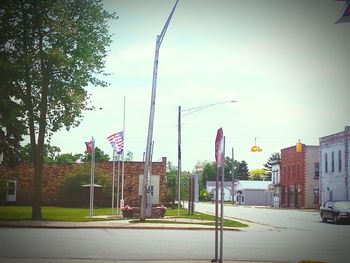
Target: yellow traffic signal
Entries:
(255, 148)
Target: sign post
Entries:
(220, 161)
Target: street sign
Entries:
(219, 148)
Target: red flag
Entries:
(219, 148)
(89, 147)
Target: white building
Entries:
(276, 183)
(253, 193)
(334, 166)
(227, 190)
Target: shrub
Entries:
(71, 184)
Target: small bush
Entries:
(71, 185)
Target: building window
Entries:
(317, 170)
(298, 171)
(339, 160)
(288, 172)
(316, 196)
(326, 162)
(332, 162)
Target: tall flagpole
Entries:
(118, 182)
(92, 180)
(123, 158)
(113, 176)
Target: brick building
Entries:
(299, 177)
(19, 182)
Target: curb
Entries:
(51, 225)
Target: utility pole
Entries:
(188, 112)
(145, 206)
(233, 178)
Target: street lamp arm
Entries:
(199, 108)
(161, 36)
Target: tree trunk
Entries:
(38, 157)
(37, 186)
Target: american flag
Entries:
(117, 141)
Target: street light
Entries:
(188, 112)
(146, 205)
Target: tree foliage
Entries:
(268, 167)
(50, 153)
(258, 175)
(240, 170)
(50, 51)
(67, 158)
(172, 180)
(70, 186)
(100, 156)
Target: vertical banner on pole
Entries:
(220, 158)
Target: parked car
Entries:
(337, 211)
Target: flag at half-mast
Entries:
(89, 146)
(117, 141)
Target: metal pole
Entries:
(233, 178)
(92, 183)
(146, 174)
(123, 155)
(222, 208)
(179, 162)
(113, 175)
(216, 215)
(118, 184)
(91, 189)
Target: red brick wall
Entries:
(292, 177)
(53, 174)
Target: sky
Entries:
(286, 63)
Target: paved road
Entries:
(297, 232)
(276, 235)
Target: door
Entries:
(11, 190)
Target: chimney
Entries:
(347, 128)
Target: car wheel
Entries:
(323, 218)
(335, 220)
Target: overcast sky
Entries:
(286, 63)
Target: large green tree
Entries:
(242, 171)
(50, 153)
(51, 51)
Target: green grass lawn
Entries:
(51, 213)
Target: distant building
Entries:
(300, 177)
(253, 193)
(334, 163)
(210, 187)
(276, 183)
